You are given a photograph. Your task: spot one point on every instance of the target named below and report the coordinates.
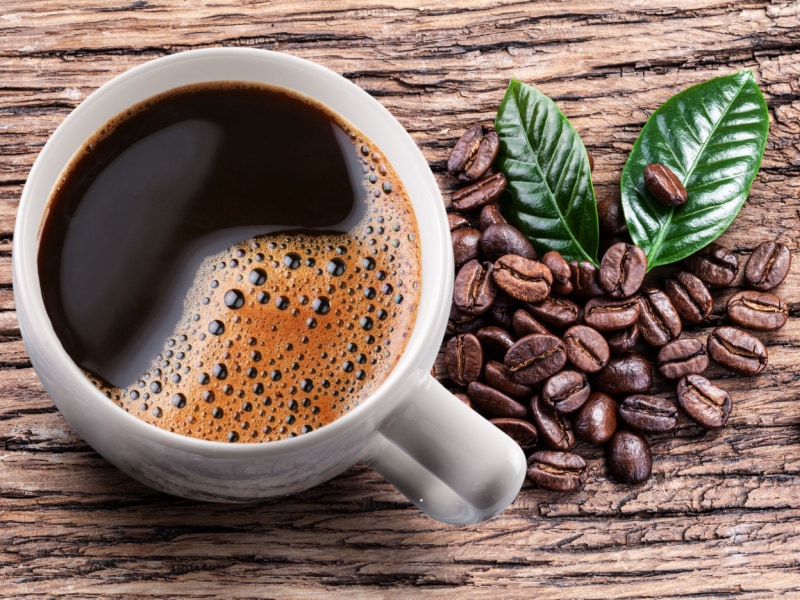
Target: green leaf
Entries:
(549, 195)
(712, 135)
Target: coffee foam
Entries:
(284, 333)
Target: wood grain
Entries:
(719, 518)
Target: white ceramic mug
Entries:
(453, 464)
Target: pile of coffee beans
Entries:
(553, 352)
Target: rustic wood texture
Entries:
(719, 518)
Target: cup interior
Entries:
(229, 64)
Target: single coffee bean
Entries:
(519, 430)
(556, 311)
(474, 288)
(473, 153)
(622, 270)
(463, 358)
(682, 357)
(493, 403)
(664, 185)
(459, 322)
(535, 357)
(659, 322)
(521, 278)
(767, 266)
(611, 217)
(501, 239)
(524, 324)
(758, 310)
(566, 391)
(502, 310)
(499, 377)
(495, 340)
(715, 265)
(480, 194)
(562, 284)
(596, 420)
(466, 245)
(557, 471)
(689, 296)
(490, 214)
(605, 314)
(737, 350)
(629, 457)
(648, 414)
(624, 340)
(555, 430)
(456, 221)
(586, 348)
(703, 402)
(624, 375)
(585, 279)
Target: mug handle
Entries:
(452, 463)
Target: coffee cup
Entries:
(446, 459)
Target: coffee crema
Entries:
(232, 262)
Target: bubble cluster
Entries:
(286, 332)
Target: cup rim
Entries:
(436, 285)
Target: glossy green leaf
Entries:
(549, 195)
(712, 135)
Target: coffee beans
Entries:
(481, 193)
(473, 153)
(664, 185)
(573, 353)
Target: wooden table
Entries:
(720, 516)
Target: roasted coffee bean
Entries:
(626, 374)
(464, 398)
(490, 214)
(562, 284)
(689, 296)
(474, 288)
(682, 357)
(495, 340)
(596, 420)
(622, 270)
(629, 457)
(585, 279)
(524, 324)
(499, 377)
(519, 430)
(480, 194)
(703, 402)
(521, 278)
(459, 322)
(566, 391)
(456, 221)
(659, 322)
(493, 403)
(737, 350)
(767, 266)
(473, 153)
(502, 310)
(555, 430)
(557, 471)
(664, 185)
(586, 348)
(611, 217)
(466, 245)
(758, 310)
(605, 314)
(463, 358)
(556, 311)
(501, 239)
(535, 357)
(649, 414)
(715, 265)
(624, 340)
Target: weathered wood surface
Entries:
(720, 517)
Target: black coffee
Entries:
(231, 261)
